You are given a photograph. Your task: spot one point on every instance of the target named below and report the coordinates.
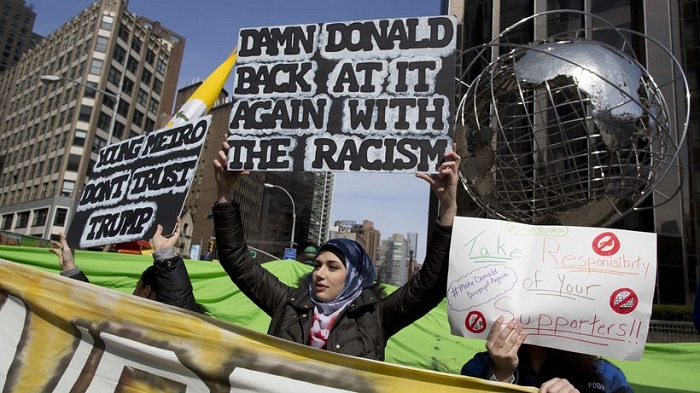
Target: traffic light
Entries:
(210, 247)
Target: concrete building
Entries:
(16, 35)
(50, 133)
(674, 24)
(393, 260)
(364, 233)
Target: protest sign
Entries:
(353, 96)
(137, 184)
(581, 289)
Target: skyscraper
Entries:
(115, 77)
(16, 36)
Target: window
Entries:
(119, 54)
(40, 216)
(73, 162)
(85, 112)
(103, 121)
(132, 64)
(142, 97)
(150, 56)
(146, 77)
(161, 66)
(150, 125)
(98, 143)
(96, 66)
(136, 44)
(138, 119)
(79, 138)
(60, 219)
(123, 108)
(90, 91)
(66, 190)
(114, 76)
(118, 131)
(7, 221)
(124, 33)
(157, 86)
(153, 106)
(101, 45)
(107, 22)
(128, 86)
(22, 220)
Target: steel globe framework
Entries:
(566, 130)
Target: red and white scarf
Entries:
(321, 327)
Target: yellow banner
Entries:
(63, 335)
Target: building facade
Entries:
(16, 35)
(393, 260)
(674, 23)
(50, 133)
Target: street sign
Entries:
(290, 253)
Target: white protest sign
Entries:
(364, 96)
(580, 289)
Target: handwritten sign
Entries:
(137, 184)
(353, 96)
(587, 290)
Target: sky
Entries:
(396, 203)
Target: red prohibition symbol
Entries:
(606, 244)
(475, 322)
(624, 301)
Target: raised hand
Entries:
(63, 252)
(444, 185)
(503, 343)
(160, 242)
(225, 179)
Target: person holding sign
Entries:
(337, 308)
(509, 360)
(165, 281)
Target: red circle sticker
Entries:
(624, 301)
(475, 322)
(606, 244)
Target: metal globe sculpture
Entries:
(564, 131)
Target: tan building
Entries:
(50, 133)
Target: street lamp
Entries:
(48, 79)
(294, 210)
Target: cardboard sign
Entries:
(137, 184)
(586, 290)
(353, 96)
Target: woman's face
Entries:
(328, 276)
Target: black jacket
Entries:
(174, 286)
(364, 326)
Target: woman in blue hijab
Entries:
(339, 307)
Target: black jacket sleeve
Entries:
(75, 274)
(174, 286)
(258, 284)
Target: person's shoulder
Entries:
(613, 377)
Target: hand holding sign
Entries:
(586, 290)
(503, 343)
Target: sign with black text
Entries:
(137, 184)
(349, 96)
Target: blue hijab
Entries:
(360, 274)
